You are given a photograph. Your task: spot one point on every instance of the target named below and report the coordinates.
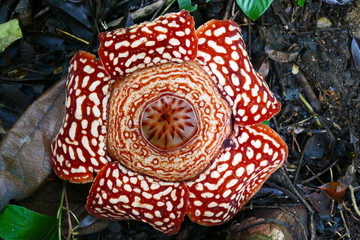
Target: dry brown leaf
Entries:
(334, 190)
(24, 151)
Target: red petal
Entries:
(255, 152)
(119, 194)
(79, 148)
(168, 38)
(222, 51)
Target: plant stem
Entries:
(59, 211)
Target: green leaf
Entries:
(300, 3)
(9, 32)
(186, 4)
(253, 8)
(18, 223)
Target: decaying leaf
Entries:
(334, 190)
(280, 56)
(321, 202)
(287, 222)
(355, 51)
(337, 2)
(24, 151)
(9, 32)
(323, 22)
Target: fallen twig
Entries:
(353, 199)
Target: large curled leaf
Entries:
(17, 223)
(25, 150)
(9, 32)
(254, 8)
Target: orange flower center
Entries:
(169, 122)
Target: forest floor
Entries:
(306, 55)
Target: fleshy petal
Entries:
(168, 38)
(79, 149)
(222, 51)
(119, 194)
(255, 152)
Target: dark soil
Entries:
(309, 67)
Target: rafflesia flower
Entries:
(168, 119)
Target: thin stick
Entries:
(68, 215)
(353, 199)
(158, 10)
(301, 160)
(73, 36)
(301, 198)
(307, 104)
(308, 91)
(345, 225)
(168, 7)
(320, 173)
(59, 212)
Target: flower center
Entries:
(169, 122)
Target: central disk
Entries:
(169, 122)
